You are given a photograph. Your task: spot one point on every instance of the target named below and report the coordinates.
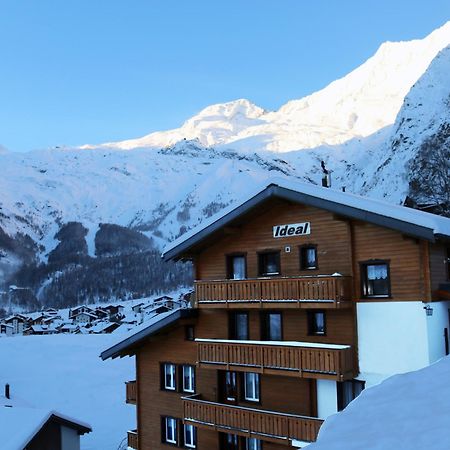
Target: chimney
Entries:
(326, 177)
(7, 393)
(343, 188)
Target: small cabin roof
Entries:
(150, 328)
(20, 425)
(408, 221)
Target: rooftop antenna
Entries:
(326, 177)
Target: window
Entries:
(238, 325)
(230, 386)
(316, 323)
(169, 430)
(308, 257)
(251, 387)
(253, 444)
(271, 326)
(375, 279)
(190, 436)
(169, 377)
(229, 441)
(348, 391)
(189, 332)
(236, 267)
(269, 263)
(188, 379)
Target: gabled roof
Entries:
(20, 425)
(400, 218)
(147, 329)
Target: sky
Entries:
(90, 71)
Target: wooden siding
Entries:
(438, 265)
(331, 237)
(295, 361)
(278, 393)
(341, 245)
(250, 422)
(294, 292)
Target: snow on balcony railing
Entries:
(303, 359)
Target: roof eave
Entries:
(125, 347)
(274, 190)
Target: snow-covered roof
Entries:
(145, 330)
(406, 220)
(20, 425)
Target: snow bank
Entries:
(64, 373)
(409, 411)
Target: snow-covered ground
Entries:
(64, 373)
(405, 412)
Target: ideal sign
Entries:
(292, 229)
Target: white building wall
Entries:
(435, 329)
(392, 338)
(326, 398)
(70, 439)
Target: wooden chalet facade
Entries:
(304, 296)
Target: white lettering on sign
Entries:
(292, 229)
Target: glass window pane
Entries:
(275, 327)
(241, 326)
(377, 279)
(238, 267)
(251, 386)
(188, 379)
(320, 322)
(171, 430)
(169, 376)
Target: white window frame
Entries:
(192, 442)
(253, 379)
(173, 438)
(191, 377)
(171, 371)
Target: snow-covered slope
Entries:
(409, 411)
(357, 105)
(168, 184)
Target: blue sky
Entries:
(90, 71)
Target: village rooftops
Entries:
(400, 218)
(126, 345)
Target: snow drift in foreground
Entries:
(409, 411)
(64, 373)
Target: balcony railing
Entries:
(299, 359)
(265, 425)
(297, 292)
(133, 439)
(131, 389)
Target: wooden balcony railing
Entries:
(298, 292)
(299, 359)
(265, 425)
(133, 439)
(131, 389)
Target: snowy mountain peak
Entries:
(357, 105)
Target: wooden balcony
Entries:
(298, 359)
(324, 292)
(265, 425)
(131, 389)
(133, 439)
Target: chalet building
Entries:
(18, 322)
(304, 296)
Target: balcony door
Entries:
(237, 266)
